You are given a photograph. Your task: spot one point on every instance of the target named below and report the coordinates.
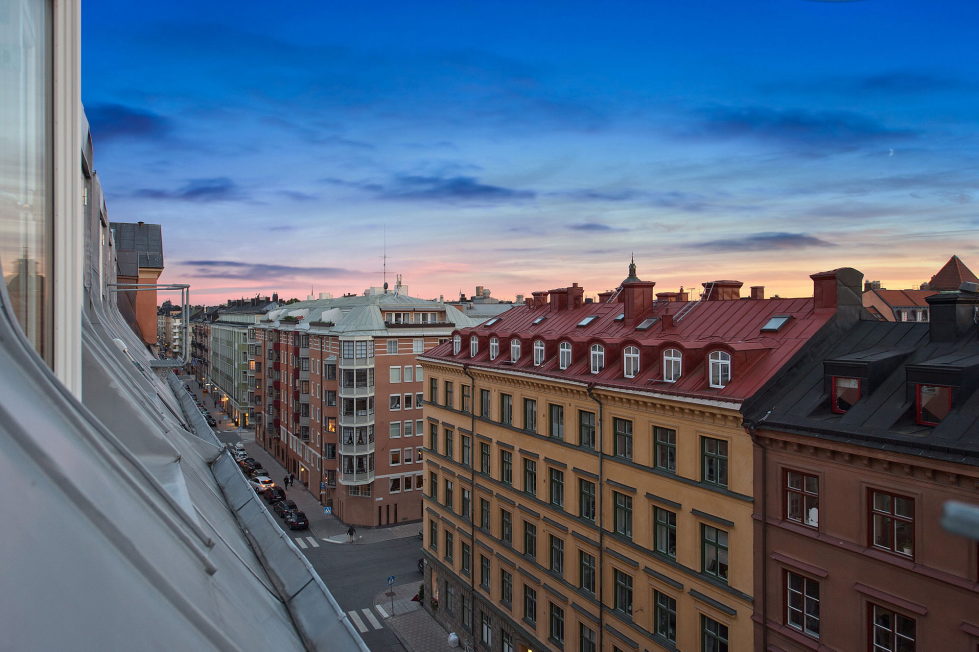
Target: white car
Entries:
(262, 483)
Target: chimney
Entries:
(603, 297)
(539, 300)
(637, 297)
(576, 296)
(519, 298)
(757, 291)
(527, 302)
(722, 290)
(479, 291)
(275, 297)
(953, 314)
(667, 296)
(667, 321)
(837, 289)
(559, 299)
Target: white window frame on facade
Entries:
(514, 349)
(394, 429)
(473, 346)
(418, 345)
(392, 346)
(394, 402)
(630, 361)
(720, 369)
(494, 347)
(456, 344)
(538, 353)
(409, 374)
(597, 358)
(395, 374)
(672, 365)
(564, 355)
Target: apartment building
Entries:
(589, 483)
(912, 304)
(341, 391)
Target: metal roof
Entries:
(146, 240)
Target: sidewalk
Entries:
(413, 626)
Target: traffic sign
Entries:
(327, 509)
(391, 579)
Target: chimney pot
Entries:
(757, 291)
(722, 290)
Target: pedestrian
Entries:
(351, 532)
(285, 482)
(292, 479)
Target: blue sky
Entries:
(526, 145)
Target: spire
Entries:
(632, 271)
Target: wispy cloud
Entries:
(198, 190)
(296, 195)
(763, 242)
(264, 271)
(115, 121)
(436, 188)
(594, 227)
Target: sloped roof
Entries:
(952, 275)
(144, 239)
(905, 298)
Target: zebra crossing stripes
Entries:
(302, 542)
(357, 617)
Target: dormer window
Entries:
(587, 320)
(597, 358)
(538, 353)
(564, 355)
(720, 369)
(932, 404)
(494, 347)
(630, 361)
(473, 346)
(514, 350)
(846, 392)
(672, 365)
(456, 344)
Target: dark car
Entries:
(285, 507)
(210, 421)
(297, 521)
(248, 464)
(274, 495)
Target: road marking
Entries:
(357, 621)
(380, 610)
(312, 542)
(302, 544)
(369, 615)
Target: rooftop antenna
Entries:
(384, 259)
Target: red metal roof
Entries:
(952, 275)
(704, 326)
(904, 298)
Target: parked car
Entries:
(297, 521)
(262, 483)
(285, 507)
(210, 421)
(247, 464)
(256, 472)
(274, 494)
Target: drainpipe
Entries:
(600, 490)
(750, 427)
(472, 506)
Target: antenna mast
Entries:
(384, 259)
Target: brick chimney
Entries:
(637, 297)
(837, 288)
(576, 296)
(603, 297)
(559, 299)
(667, 296)
(757, 291)
(722, 290)
(953, 314)
(539, 300)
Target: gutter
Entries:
(600, 571)
(472, 505)
(750, 427)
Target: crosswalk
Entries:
(358, 618)
(306, 542)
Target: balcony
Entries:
(304, 397)
(355, 448)
(304, 422)
(355, 363)
(361, 419)
(304, 374)
(364, 477)
(356, 392)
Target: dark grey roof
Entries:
(144, 239)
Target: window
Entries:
(449, 441)
(484, 572)
(714, 469)
(433, 535)
(514, 350)
(932, 404)
(564, 355)
(664, 616)
(530, 477)
(433, 390)
(408, 482)
(467, 398)
(395, 402)
(484, 457)
(890, 631)
(556, 487)
(394, 429)
(846, 392)
(506, 467)
(630, 361)
(646, 324)
(409, 374)
(467, 450)
(484, 403)
(720, 368)
(409, 428)
(597, 358)
(418, 345)
(587, 320)
(395, 374)
(506, 588)
(530, 414)
(473, 346)
(331, 398)
(586, 639)
(467, 503)
(892, 522)
(449, 495)
(466, 554)
(664, 532)
(556, 624)
(802, 498)
(555, 421)
(713, 635)
(418, 399)
(485, 629)
(506, 409)
(586, 429)
(802, 603)
(664, 440)
(419, 374)
(672, 365)
(586, 571)
(449, 545)
(775, 323)
(557, 555)
(494, 347)
(529, 539)
(394, 485)
(586, 499)
(623, 513)
(449, 395)
(714, 552)
(529, 604)
(433, 435)
(395, 457)
(484, 514)
(506, 527)
(433, 486)
(623, 592)
(392, 346)
(623, 438)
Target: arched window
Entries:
(538, 353)
(494, 347)
(473, 346)
(564, 355)
(672, 365)
(630, 361)
(597, 358)
(456, 344)
(720, 368)
(514, 350)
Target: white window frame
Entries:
(418, 345)
(394, 374)
(538, 353)
(514, 349)
(394, 458)
(630, 361)
(394, 402)
(494, 347)
(597, 358)
(473, 346)
(720, 369)
(409, 374)
(392, 344)
(394, 430)
(456, 344)
(672, 365)
(564, 355)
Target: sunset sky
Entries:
(527, 145)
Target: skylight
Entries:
(492, 321)
(775, 323)
(619, 317)
(646, 323)
(539, 319)
(587, 320)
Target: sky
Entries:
(526, 145)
